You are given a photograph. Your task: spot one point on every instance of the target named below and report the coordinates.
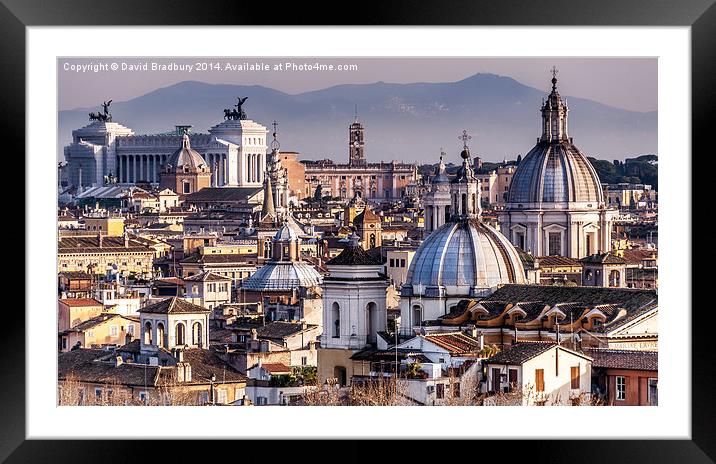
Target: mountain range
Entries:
(408, 122)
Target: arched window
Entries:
(371, 316)
(614, 278)
(372, 240)
(196, 334)
(179, 334)
(147, 333)
(417, 315)
(336, 317)
(464, 203)
(160, 335)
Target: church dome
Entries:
(555, 171)
(186, 158)
(463, 258)
(289, 231)
(283, 276)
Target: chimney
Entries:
(126, 240)
(482, 341)
(254, 334)
(118, 361)
(179, 355)
(473, 331)
(304, 325)
(183, 372)
(99, 238)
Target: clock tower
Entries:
(356, 144)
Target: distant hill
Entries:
(402, 121)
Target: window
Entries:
(574, 371)
(239, 393)
(336, 310)
(440, 391)
(144, 397)
(392, 262)
(203, 398)
(539, 380)
(130, 329)
(98, 394)
(64, 343)
(621, 388)
(304, 360)
(186, 188)
(402, 263)
(652, 392)
(90, 334)
(456, 390)
(113, 331)
(81, 396)
(555, 243)
(179, 334)
(221, 397)
(261, 400)
(512, 377)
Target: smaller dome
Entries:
(289, 231)
(283, 276)
(185, 157)
(285, 234)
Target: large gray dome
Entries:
(464, 258)
(555, 172)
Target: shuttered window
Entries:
(575, 377)
(539, 379)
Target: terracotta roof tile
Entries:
(79, 302)
(624, 359)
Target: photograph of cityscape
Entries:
(357, 231)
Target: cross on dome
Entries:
(554, 77)
(464, 137)
(275, 145)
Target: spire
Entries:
(355, 116)
(554, 115)
(465, 154)
(274, 143)
(267, 209)
(185, 141)
(441, 165)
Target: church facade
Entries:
(371, 181)
(234, 150)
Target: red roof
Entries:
(276, 368)
(80, 302)
(454, 342)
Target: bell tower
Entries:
(356, 143)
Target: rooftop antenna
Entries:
(355, 116)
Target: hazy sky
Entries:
(629, 83)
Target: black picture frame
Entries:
(700, 15)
